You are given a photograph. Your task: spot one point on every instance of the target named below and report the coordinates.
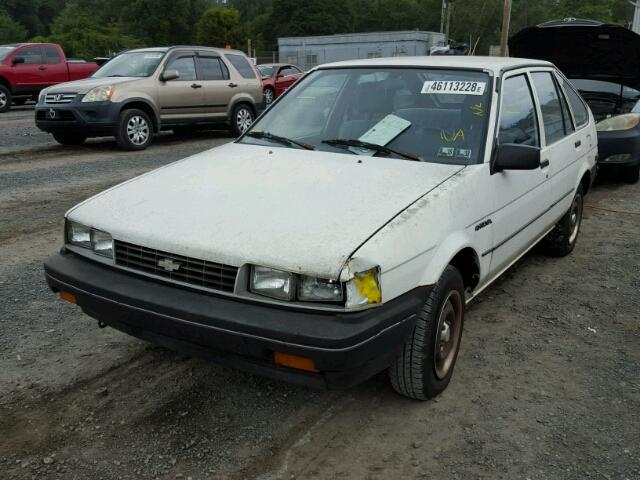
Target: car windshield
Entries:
(266, 71)
(131, 64)
(434, 115)
(6, 50)
(602, 86)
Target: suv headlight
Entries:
(101, 243)
(98, 94)
(626, 121)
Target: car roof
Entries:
(189, 47)
(275, 65)
(492, 64)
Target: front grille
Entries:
(58, 98)
(60, 115)
(177, 268)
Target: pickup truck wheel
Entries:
(69, 138)
(241, 119)
(5, 99)
(562, 239)
(135, 130)
(423, 367)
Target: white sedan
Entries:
(345, 232)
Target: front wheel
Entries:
(5, 99)
(69, 138)
(423, 367)
(562, 239)
(241, 119)
(135, 130)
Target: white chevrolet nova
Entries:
(345, 232)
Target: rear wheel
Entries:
(241, 119)
(5, 99)
(269, 95)
(135, 130)
(69, 138)
(423, 367)
(562, 239)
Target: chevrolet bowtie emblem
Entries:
(168, 264)
(59, 97)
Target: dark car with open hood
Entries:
(603, 62)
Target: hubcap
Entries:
(244, 119)
(137, 130)
(268, 96)
(575, 217)
(448, 334)
(3, 99)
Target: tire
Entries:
(20, 101)
(5, 99)
(269, 95)
(632, 175)
(69, 138)
(561, 241)
(241, 119)
(419, 370)
(135, 130)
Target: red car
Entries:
(276, 78)
(27, 68)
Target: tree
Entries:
(10, 30)
(221, 26)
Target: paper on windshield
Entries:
(455, 87)
(382, 133)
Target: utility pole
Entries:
(635, 26)
(446, 29)
(506, 19)
(443, 12)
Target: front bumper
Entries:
(90, 119)
(619, 143)
(346, 348)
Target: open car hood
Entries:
(583, 49)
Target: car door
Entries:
(56, 68)
(182, 98)
(563, 147)
(520, 197)
(285, 77)
(30, 75)
(214, 75)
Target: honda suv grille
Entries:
(58, 98)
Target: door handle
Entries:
(233, 85)
(578, 143)
(195, 85)
(42, 67)
(544, 163)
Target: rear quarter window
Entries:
(242, 65)
(580, 113)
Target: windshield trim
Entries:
(494, 86)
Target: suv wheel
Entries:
(561, 240)
(269, 95)
(135, 130)
(69, 138)
(423, 367)
(241, 119)
(5, 99)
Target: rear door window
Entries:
(580, 113)
(52, 55)
(552, 112)
(242, 65)
(518, 119)
(211, 68)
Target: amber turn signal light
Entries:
(67, 297)
(294, 361)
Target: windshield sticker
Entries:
(463, 152)
(478, 109)
(382, 133)
(446, 152)
(149, 56)
(454, 87)
(453, 137)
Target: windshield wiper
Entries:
(345, 143)
(279, 139)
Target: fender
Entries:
(5, 81)
(445, 252)
(143, 98)
(241, 98)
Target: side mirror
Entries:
(17, 60)
(169, 75)
(513, 156)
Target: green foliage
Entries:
(219, 27)
(10, 30)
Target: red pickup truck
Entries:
(27, 68)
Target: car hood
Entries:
(296, 210)
(583, 49)
(83, 86)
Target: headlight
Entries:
(311, 289)
(101, 243)
(272, 283)
(364, 288)
(99, 94)
(41, 97)
(619, 122)
(620, 157)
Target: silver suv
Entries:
(140, 92)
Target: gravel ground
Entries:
(547, 384)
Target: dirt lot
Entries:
(547, 385)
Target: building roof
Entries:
(394, 36)
(494, 64)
